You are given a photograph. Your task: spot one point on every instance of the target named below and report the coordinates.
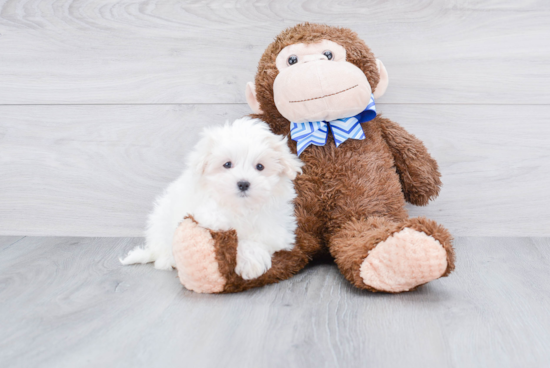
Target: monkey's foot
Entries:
(403, 261)
(195, 256)
(378, 254)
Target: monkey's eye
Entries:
(328, 54)
(227, 165)
(260, 167)
(292, 59)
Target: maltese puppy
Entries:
(239, 176)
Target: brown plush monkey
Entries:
(352, 193)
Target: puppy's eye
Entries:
(328, 54)
(228, 165)
(292, 59)
(260, 167)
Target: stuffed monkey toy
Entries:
(318, 85)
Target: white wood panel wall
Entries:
(101, 100)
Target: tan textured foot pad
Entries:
(405, 260)
(195, 256)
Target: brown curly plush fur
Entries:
(352, 197)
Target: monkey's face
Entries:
(315, 82)
(314, 72)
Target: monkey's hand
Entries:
(418, 171)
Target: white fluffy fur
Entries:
(263, 216)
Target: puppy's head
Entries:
(244, 163)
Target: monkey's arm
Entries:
(418, 171)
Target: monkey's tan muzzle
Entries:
(321, 90)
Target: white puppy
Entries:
(239, 176)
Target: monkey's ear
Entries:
(251, 98)
(383, 82)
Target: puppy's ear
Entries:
(198, 158)
(292, 165)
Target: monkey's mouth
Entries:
(332, 94)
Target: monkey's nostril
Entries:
(243, 186)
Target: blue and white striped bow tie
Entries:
(316, 132)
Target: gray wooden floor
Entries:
(67, 302)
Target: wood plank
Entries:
(67, 302)
(8, 241)
(158, 51)
(69, 289)
(95, 170)
(495, 163)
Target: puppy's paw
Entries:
(212, 219)
(165, 262)
(252, 260)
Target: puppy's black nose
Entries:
(243, 186)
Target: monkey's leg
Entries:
(380, 255)
(206, 259)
